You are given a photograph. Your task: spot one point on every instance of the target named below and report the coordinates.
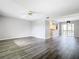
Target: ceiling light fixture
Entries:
(68, 21)
(30, 13)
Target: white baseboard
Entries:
(13, 38)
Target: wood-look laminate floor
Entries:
(35, 48)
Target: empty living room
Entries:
(39, 29)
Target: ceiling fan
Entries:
(35, 12)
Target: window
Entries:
(67, 29)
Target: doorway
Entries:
(67, 29)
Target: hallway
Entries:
(34, 48)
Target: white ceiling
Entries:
(51, 7)
(42, 8)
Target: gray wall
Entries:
(14, 28)
(76, 28)
(47, 29)
(38, 28)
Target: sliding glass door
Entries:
(67, 29)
